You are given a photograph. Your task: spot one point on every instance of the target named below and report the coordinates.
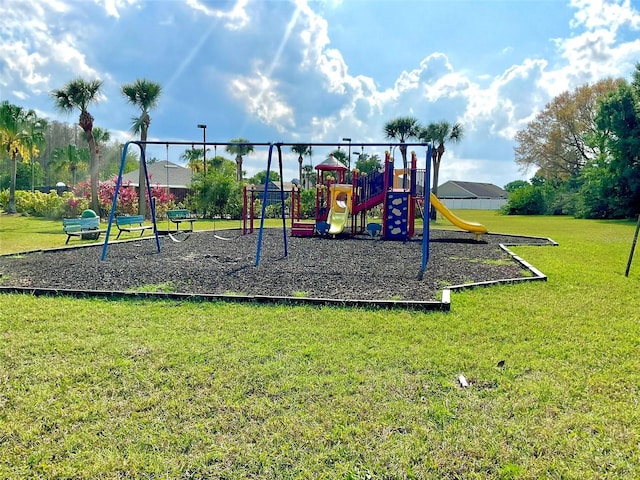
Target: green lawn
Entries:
(96, 388)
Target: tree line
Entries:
(585, 149)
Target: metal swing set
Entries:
(278, 147)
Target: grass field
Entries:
(95, 388)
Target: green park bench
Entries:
(85, 228)
(181, 215)
(131, 223)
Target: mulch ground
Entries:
(359, 268)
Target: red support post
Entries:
(251, 209)
(244, 210)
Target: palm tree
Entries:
(80, 94)
(340, 156)
(70, 158)
(145, 95)
(403, 129)
(19, 135)
(37, 140)
(438, 134)
(102, 137)
(309, 176)
(194, 158)
(240, 147)
(301, 149)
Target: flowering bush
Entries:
(164, 201)
(74, 206)
(127, 197)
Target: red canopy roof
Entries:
(331, 164)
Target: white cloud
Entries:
(33, 54)
(259, 94)
(236, 18)
(113, 7)
(596, 51)
(596, 14)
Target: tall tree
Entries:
(301, 149)
(79, 94)
(70, 159)
(37, 139)
(438, 134)
(19, 137)
(143, 94)
(368, 163)
(239, 147)
(563, 137)
(309, 176)
(619, 118)
(102, 137)
(58, 134)
(403, 129)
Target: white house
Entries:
(472, 195)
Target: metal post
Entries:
(633, 247)
(349, 159)
(204, 146)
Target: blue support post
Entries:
(112, 213)
(264, 207)
(425, 218)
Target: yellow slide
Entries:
(340, 195)
(337, 220)
(475, 228)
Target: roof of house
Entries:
(162, 173)
(456, 189)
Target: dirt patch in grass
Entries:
(359, 268)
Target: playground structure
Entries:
(337, 202)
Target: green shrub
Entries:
(273, 211)
(527, 200)
(48, 205)
(4, 199)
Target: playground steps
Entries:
(300, 229)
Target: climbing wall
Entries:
(397, 216)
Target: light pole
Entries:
(358, 154)
(204, 146)
(349, 161)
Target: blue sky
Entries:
(317, 71)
